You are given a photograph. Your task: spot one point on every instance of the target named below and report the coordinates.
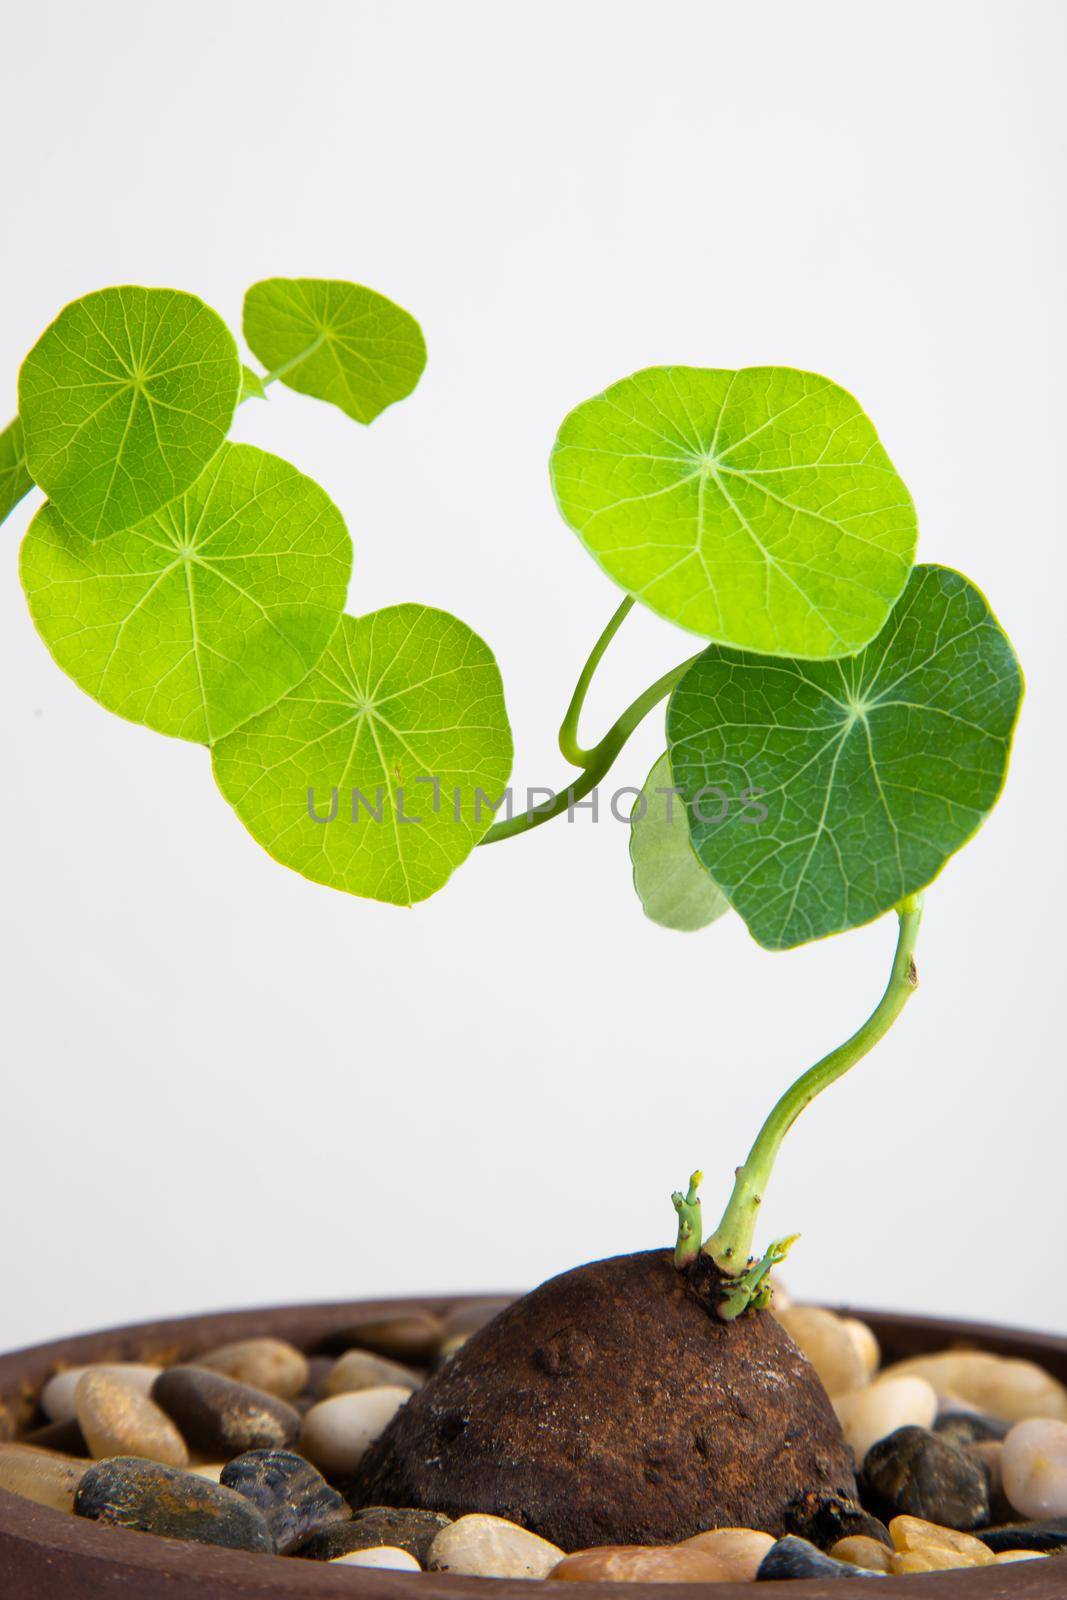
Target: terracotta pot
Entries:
(48, 1555)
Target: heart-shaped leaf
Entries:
(377, 775)
(336, 341)
(124, 401)
(15, 481)
(756, 508)
(672, 885)
(872, 772)
(205, 613)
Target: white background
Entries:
(223, 1085)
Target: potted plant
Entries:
(843, 729)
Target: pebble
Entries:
(880, 1409)
(1018, 1555)
(866, 1343)
(359, 1369)
(928, 1561)
(412, 1336)
(43, 1476)
(969, 1427)
(57, 1396)
(640, 1563)
(398, 1527)
(295, 1499)
(1003, 1387)
(822, 1519)
(380, 1555)
(127, 1493)
(833, 1351)
(220, 1418)
(796, 1558)
(738, 1551)
(1034, 1468)
(915, 1533)
(339, 1431)
(481, 1546)
(458, 1326)
(990, 1452)
(66, 1437)
(273, 1365)
(916, 1473)
(1036, 1536)
(860, 1551)
(117, 1420)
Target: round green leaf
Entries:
(125, 399)
(756, 508)
(401, 733)
(15, 481)
(674, 888)
(205, 613)
(871, 772)
(336, 341)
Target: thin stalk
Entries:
(572, 750)
(730, 1246)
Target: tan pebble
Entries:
(57, 1396)
(1011, 1389)
(44, 1476)
(866, 1344)
(379, 1555)
(928, 1560)
(913, 1533)
(638, 1563)
(273, 1365)
(338, 1432)
(211, 1470)
(1034, 1467)
(828, 1345)
(738, 1551)
(881, 1408)
(359, 1369)
(411, 1336)
(860, 1551)
(481, 1546)
(1018, 1555)
(116, 1420)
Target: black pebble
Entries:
(410, 1530)
(823, 1519)
(917, 1473)
(220, 1418)
(1050, 1535)
(796, 1558)
(293, 1496)
(129, 1493)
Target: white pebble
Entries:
(338, 1432)
(1034, 1465)
(866, 1343)
(826, 1341)
(1002, 1387)
(57, 1396)
(872, 1413)
(380, 1555)
(481, 1546)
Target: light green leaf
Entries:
(251, 385)
(124, 400)
(402, 719)
(336, 341)
(872, 771)
(205, 613)
(756, 508)
(15, 481)
(675, 890)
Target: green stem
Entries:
(730, 1246)
(690, 1226)
(572, 750)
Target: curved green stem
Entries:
(569, 744)
(730, 1246)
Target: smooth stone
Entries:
(931, 1560)
(379, 1555)
(458, 1326)
(212, 1470)
(1034, 1468)
(117, 1420)
(969, 1427)
(1036, 1536)
(860, 1551)
(863, 1337)
(640, 1563)
(481, 1546)
(738, 1551)
(822, 1519)
(1018, 1555)
(880, 1409)
(220, 1418)
(66, 1437)
(319, 1368)
(915, 1473)
(990, 1452)
(128, 1493)
(43, 1476)
(273, 1365)
(832, 1350)
(295, 1499)
(338, 1432)
(915, 1533)
(796, 1558)
(410, 1336)
(1003, 1387)
(399, 1527)
(57, 1396)
(359, 1369)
